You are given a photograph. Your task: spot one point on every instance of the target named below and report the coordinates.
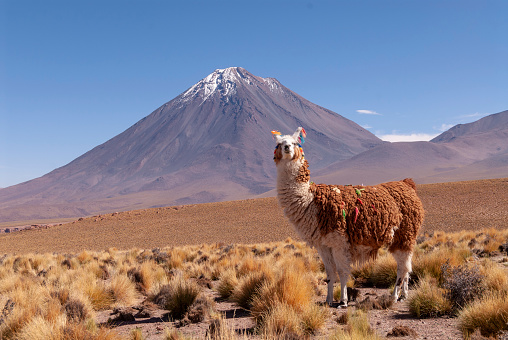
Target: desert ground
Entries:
(120, 264)
(449, 207)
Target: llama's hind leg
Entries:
(331, 276)
(403, 259)
(343, 265)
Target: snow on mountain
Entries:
(221, 80)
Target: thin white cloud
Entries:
(368, 112)
(366, 127)
(474, 115)
(413, 137)
(445, 127)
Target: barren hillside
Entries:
(449, 207)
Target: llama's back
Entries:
(366, 216)
(372, 216)
(411, 208)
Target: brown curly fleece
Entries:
(369, 215)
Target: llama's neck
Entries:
(293, 183)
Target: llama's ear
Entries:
(277, 136)
(300, 135)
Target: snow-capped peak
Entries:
(226, 81)
(223, 80)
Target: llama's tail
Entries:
(410, 182)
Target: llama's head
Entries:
(289, 147)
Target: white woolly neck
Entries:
(287, 171)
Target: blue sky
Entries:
(74, 74)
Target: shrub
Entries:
(428, 300)
(489, 314)
(463, 284)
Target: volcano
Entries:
(210, 143)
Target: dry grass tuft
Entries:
(227, 283)
(430, 263)
(285, 305)
(291, 288)
(76, 311)
(282, 321)
(495, 277)
(123, 290)
(489, 314)
(248, 287)
(357, 328)
(429, 300)
(136, 334)
(182, 295)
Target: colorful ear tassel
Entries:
(301, 138)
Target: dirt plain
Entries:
(450, 207)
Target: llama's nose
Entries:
(286, 148)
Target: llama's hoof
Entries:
(330, 304)
(342, 304)
(401, 298)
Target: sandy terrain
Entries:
(449, 207)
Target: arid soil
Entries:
(449, 207)
(383, 321)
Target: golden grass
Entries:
(429, 300)
(357, 328)
(495, 277)
(430, 263)
(182, 295)
(248, 286)
(291, 287)
(489, 314)
(227, 283)
(59, 294)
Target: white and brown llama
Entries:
(347, 224)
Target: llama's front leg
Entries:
(331, 276)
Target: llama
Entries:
(347, 224)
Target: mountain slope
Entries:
(210, 143)
(477, 150)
